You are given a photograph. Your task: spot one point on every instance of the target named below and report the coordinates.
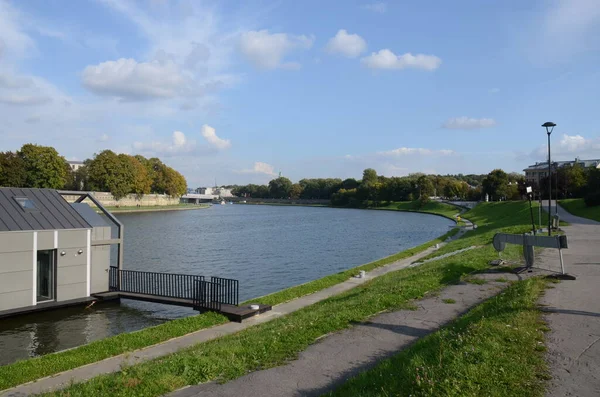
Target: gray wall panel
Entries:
(72, 291)
(71, 275)
(16, 241)
(72, 238)
(72, 257)
(14, 262)
(16, 281)
(14, 300)
(45, 240)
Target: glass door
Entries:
(46, 270)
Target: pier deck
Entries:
(232, 312)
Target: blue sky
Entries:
(239, 91)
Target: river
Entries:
(266, 248)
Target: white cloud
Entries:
(569, 147)
(211, 137)
(267, 51)
(260, 168)
(379, 7)
(126, 78)
(386, 59)
(407, 151)
(468, 123)
(349, 45)
(179, 145)
(13, 39)
(104, 138)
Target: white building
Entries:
(538, 171)
(75, 165)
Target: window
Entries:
(26, 203)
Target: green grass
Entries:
(491, 218)
(274, 343)
(432, 207)
(577, 207)
(38, 367)
(493, 350)
(449, 301)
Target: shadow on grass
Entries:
(426, 348)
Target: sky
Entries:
(238, 91)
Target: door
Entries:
(46, 273)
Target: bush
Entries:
(592, 199)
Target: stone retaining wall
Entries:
(148, 200)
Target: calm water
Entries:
(266, 248)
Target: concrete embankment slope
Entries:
(574, 312)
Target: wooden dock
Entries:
(232, 312)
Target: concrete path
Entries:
(114, 364)
(574, 311)
(328, 363)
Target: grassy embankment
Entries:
(496, 349)
(577, 207)
(281, 339)
(445, 210)
(34, 368)
(491, 218)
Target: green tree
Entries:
(44, 167)
(349, 184)
(296, 191)
(369, 176)
(495, 184)
(12, 170)
(112, 173)
(142, 183)
(280, 187)
(175, 183)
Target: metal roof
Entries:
(52, 212)
(91, 216)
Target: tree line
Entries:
(35, 166)
(371, 188)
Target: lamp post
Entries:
(549, 127)
(557, 190)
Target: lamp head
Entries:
(549, 127)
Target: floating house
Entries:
(52, 253)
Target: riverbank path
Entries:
(116, 363)
(574, 311)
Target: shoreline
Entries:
(142, 209)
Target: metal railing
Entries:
(151, 283)
(210, 295)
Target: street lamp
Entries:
(556, 187)
(549, 127)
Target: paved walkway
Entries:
(114, 364)
(574, 307)
(328, 363)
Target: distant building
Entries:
(536, 172)
(214, 191)
(205, 190)
(75, 165)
